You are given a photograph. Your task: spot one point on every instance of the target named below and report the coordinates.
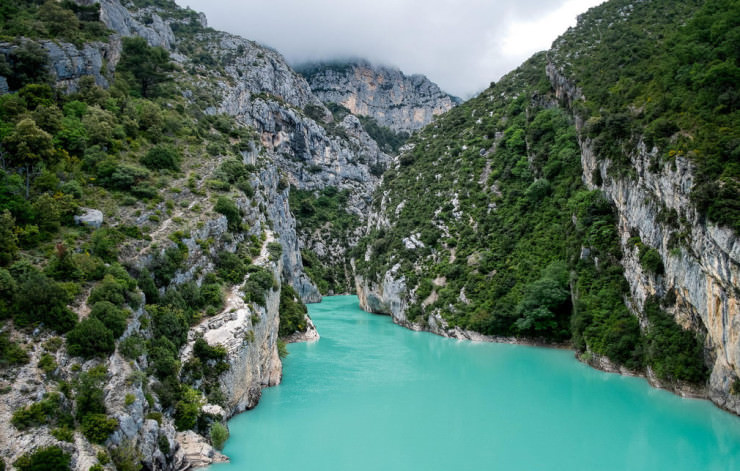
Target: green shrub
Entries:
(90, 338)
(672, 352)
(169, 322)
(651, 261)
(47, 363)
(187, 409)
(218, 434)
(114, 318)
(231, 267)
(11, 353)
(292, 312)
(89, 392)
(50, 458)
(162, 157)
(205, 352)
(260, 280)
(164, 266)
(132, 347)
(126, 457)
(41, 300)
(228, 208)
(109, 290)
(98, 427)
(36, 414)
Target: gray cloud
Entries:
(462, 45)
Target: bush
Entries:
(219, 434)
(10, 352)
(292, 312)
(98, 427)
(165, 266)
(38, 413)
(231, 267)
(228, 208)
(50, 458)
(162, 157)
(651, 261)
(112, 317)
(259, 281)
(41, 300)
(90, 338)
(672, 352)
(89, 392)
(205, 352)
(132, 347)
(109, 290)
(126, 457)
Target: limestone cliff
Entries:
(701, 260)
(397, 101)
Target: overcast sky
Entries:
(462, 45)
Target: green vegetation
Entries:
(666, 73)
(292, 312)
(50, 458)
(219, 434)
(323, 215)
(492, 229)
(65, 20)
(388, 140)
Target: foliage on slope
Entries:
(158, 167)
(491, 228)
(667, 73)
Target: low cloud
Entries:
(461, 45)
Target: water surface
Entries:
(374, 396)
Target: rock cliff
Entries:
(701, 260)
(397, 101)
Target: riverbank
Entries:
(438, 326)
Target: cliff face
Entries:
(702, 270)
(397, 101)
(286, 138)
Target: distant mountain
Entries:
(397, 101)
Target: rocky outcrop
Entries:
(146, 23)
(397, 101)
(68, 62)
(195, 452)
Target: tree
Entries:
(112, 317)
(28, 144)
(8, 238)
(51, 458)
(147, 66)
(90, 338)
(29, 64)
(219, 434)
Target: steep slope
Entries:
(589, 197)
(394, 100)
(176, 148)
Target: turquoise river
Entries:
(374, 396)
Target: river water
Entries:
(371, 395)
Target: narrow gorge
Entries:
(171, 195)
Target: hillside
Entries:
(587, 198)
(151, 270)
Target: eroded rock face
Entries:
(395, 100)
(68, 63)
(702, 269)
